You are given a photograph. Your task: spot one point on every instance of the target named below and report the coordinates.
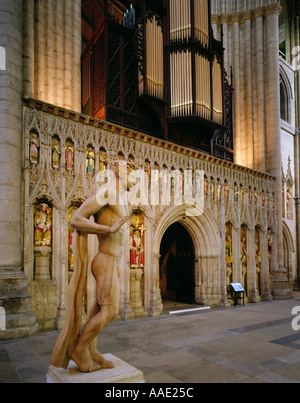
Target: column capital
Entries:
(259, 12)
(214, 19)
(224, 19)
(235, 17)
(273, 9)
(246, 15)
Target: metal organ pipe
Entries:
(154, 55)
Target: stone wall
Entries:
(235, 197)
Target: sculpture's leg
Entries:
(105, 271)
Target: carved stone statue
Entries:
(108, 226)
(244, 258)
(69, 156)
(136, 249)
(102, 160)
(55, 153)
(34, 149)
(42, 224)
(90, 160)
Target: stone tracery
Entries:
(229, 195)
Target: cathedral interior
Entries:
(172, 86)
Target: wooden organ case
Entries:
(158, 69)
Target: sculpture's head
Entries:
(122, 170)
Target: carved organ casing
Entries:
(162, 74)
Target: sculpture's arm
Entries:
(81, 222)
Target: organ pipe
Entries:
(196, 76)
(181, 83)
(203, 89)
(180, 20)
(217, 92)
(154, 58)
(201, 21)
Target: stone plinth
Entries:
(15, 305)
(282, 286)
(42, 262)
(135, 292)
(44, 302)
(121, 373)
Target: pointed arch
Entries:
(210, 287)
(286, 96)
(288, 250)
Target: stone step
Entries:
(18, 332)
(15, 302)
(12, 280)
(20, 320)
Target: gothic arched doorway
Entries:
(177, 277)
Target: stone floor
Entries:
(251, 344)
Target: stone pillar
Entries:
(49, 54)
(135, 292)
(265, 277)
(156, 305)
(14, 296)
(281, 284)
(223, 288)
(76, 53)
(28, 48)
(39, 76)
(297, 146)
(252, 285)
(259, 96)
(67, 54)
(224, 21)
(236, 254)
(11, 134)
(126, 309)
(43, 289)
(236, 84)
(42, 263)
(248, 85)
(297, 204)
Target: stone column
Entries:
(39, 76)
(248, 85)
(156, 305)
(236, 254)
(297, 204)
(236, 83)
(67, 54)
(259, 96)
(265, 278)
(224, 19)
(76, 54)
(126, 309)
(251, 268)
(28, 48)
(58, 52)
(281, 284)
(11, 134)
(42, 263)
(49, 54)
(135, 292)
(223, 289)
(14, 297)
(297, 146)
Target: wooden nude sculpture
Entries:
(108, 225)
